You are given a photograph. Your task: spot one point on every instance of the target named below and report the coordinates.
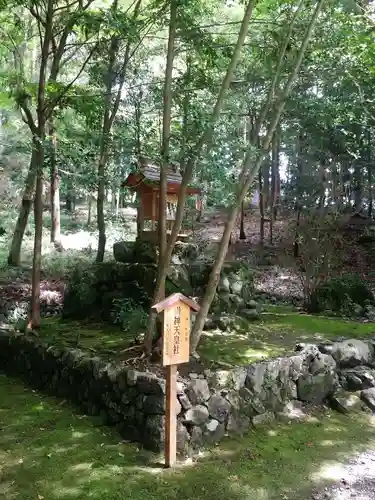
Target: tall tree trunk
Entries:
(193, 159)
(298, 203)
(275, 158)
(110, 111)
(167, 109)
(369, 173)
(14, 257)
(102, 238)
(261, 207)
(242, 222)
(266, 185)
(89, 210)
(248, 174)
(55, 186)
(34, 321)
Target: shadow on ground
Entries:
(47, 451)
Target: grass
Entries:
(48, 451)
(276, 334)
(101, 338)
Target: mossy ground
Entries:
(49, 451)
(276, 333)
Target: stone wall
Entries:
(210, 405)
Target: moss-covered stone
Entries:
(91, 292)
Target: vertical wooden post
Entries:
(176, 342)
(170, 417)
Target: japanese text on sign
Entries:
(176, 334)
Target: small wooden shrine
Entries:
(146, 182)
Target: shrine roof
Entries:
(148, 172)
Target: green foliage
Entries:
(347, 294)
(129, 315)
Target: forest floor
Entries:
(48, 450)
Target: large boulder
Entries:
(138, 251)
(352, 352)
(123, 251)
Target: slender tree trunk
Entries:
(110, 111)
(261, 207)
(89, 211)
(14, 257)
(248, 174)
(167, 109)
(34, 321)
(369, 173)
(192, 161)
(266, 185)
(102, 238)
(298, 203)
(55, 186)
(242, 222)
(274, 175)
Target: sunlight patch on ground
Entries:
(331, 471)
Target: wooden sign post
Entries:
(176, 343)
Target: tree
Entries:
(250, 169)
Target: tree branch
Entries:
(66, 89)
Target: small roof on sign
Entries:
(173, 300)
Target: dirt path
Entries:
(355, 479)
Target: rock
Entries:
(255, 377)
(326, 348)
(213, 431)
(219, 408)
(316, 388)
(197, 415)
(155, 405)
(346, 402)
(238, 424)
(153, 434)
(368, 397)
(322, 363)
(196, 437)
(224, 285)
(224, 323)
(251, 314)
(239, 376)
(353, 352)
(220, 379)
(148, 383)
(358, 378)
(146, 252)
(184, 401)
(183, 438)
(198, 391)
(293, 410)
(263, 419)
(252, 304)
(123, 251)
(236, 287)
(131, 377)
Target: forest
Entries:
(222, 149)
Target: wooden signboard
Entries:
(176, 340)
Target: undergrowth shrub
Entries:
(320, 250)
(347, 294)
(129, 315)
